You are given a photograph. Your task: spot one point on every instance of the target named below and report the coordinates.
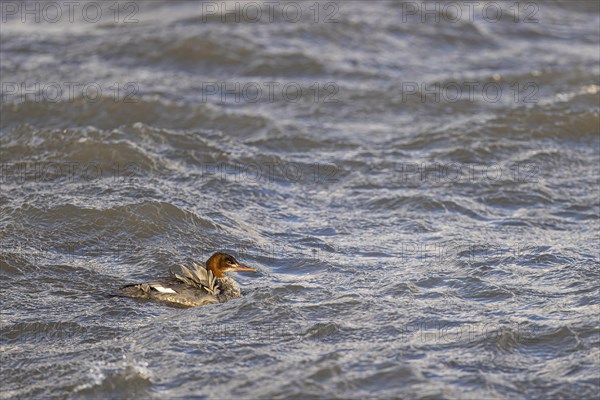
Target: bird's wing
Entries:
(199, 277)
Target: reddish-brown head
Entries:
(219, 263)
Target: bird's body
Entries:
(195, 286)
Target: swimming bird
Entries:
(195, 286)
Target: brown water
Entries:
(420, 198)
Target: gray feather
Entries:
(199, 277)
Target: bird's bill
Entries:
(240, 267)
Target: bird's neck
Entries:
(229, 288)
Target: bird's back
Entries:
(193, 287)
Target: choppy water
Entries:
(408, 245)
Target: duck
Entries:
(195, 286)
